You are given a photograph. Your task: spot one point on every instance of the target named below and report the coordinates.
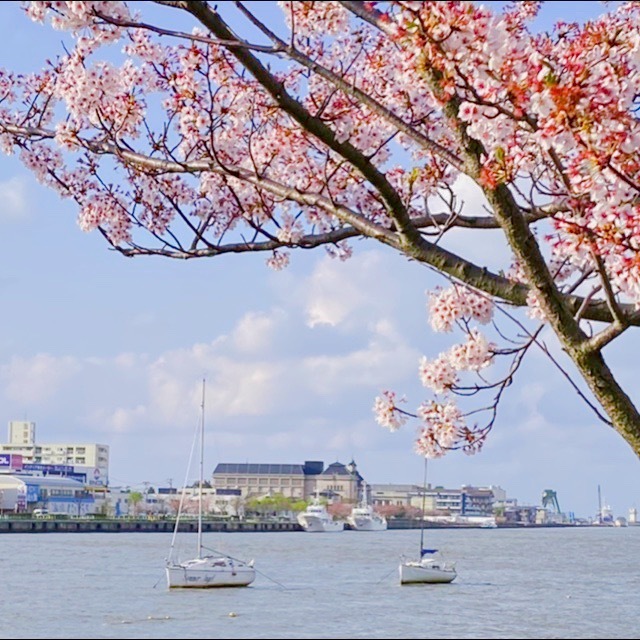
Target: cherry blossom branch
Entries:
(598, 376)
(620, 324)
(181, 35)
(504, 207)
(394, 204)
(254, 157)
(439, 258)
(351, 89)
(542, 346)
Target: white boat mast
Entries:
(201, 474)
(599, 506)
(424, 499)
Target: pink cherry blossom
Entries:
(337, 122)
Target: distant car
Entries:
(40, 513)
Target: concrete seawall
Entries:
(51, 525)
(126, 525)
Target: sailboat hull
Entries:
(209, 573)
(426, 573)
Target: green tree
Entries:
(135, 498)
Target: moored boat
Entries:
(316, 519)
(430, 568)
(205, 571)
(364, 518)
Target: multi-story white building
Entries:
(22, 432)
(468, 501)
(24, 454)
(397, 495)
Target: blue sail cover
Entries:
(424, 552)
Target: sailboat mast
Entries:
(599, 506)
(201, 475)
(424, 499)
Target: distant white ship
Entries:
(364, 518)
(316, 519)
(605, 514)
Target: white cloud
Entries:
(377, 365)
(122, 420)
(282, 387)
(127, 360)
(255, 331)
(246, 388)
(530, 397)
(13, 196)
(32, 381)
(292, 439)
(337, 290)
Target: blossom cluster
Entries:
(171, 143)
(442, 424)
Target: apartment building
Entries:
(467, 501)
(22, 453)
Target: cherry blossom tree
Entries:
(325, 123)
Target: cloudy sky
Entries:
(98, 348)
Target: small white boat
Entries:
(208, 572)
(205, 571)
(430, 568)
(316, 519)
(364, 518)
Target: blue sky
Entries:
(98, 348)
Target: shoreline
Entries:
(126, 525)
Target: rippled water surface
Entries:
(544, 583)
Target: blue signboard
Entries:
(49, 468)
(32, 493)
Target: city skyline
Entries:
(99, 348)
(190, 479)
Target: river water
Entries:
(578, 582)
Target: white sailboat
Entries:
(430, 568)
(364, 518)
(205, 571)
